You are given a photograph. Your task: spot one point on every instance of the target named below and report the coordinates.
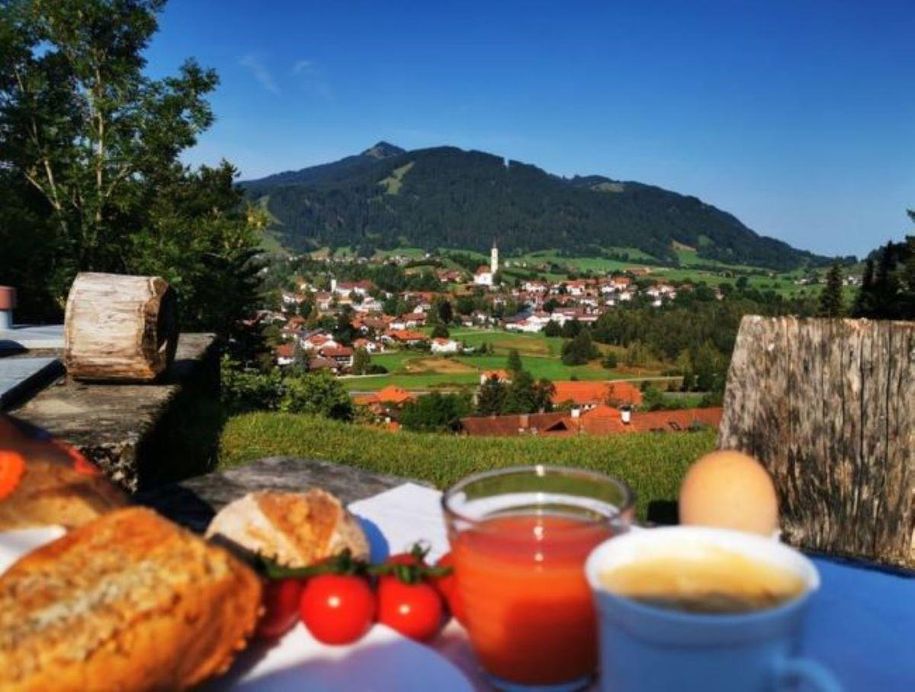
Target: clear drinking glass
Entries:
(519, 537)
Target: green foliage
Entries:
(491, 397)
(440, 331)
(552, 328)
(525, 395)
(579, 350)
(831, 301)
(249, 390)
(652, 399)
(435, 412)
(91, 163)
(888, 285)
(362, 362)
(344, 332)
(705, 369)
(691, 320)
(513, 363)
(570, 329)
(465, 305)
(317, 393)
(445, 312)
(652, 464)
(609, 361)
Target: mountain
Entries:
(387, 197)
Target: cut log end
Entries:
(120, 328)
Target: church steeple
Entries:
(494, 258)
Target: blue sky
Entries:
(798, 116)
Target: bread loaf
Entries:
(127, 602)
(44, 481)
(294, 529)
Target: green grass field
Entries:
(420, 370)
(652, 463)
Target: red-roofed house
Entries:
(369, 345)
(284, 354)
(405, 336)
(316, 342)
(587, 395)
(341, 355)
(599, 421)
(389, 395)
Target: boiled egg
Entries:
(731, 490)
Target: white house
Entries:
(440, 345)
(482, 276)
(531, 324)
(485, 276)
(345, 288)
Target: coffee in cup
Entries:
(697, 608)
(711, 580)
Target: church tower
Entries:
(494, 258)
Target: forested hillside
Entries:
(446, 197)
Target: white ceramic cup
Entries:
(653, 649)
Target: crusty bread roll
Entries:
(294, 529)
(44, 481)
(127, 602)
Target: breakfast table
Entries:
(861, 623)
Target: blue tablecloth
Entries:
(862, 625)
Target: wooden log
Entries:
(828, 406)
(119, 328)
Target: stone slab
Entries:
(106, 421)
(193, 502)
(29, 338)
(18, 376)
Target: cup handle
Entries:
(803, 670)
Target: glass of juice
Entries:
(519, 537)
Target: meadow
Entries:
(652, 463)
(540, 355)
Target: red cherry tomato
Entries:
(448, 588)
(414, 610)
(281, 604)
(337, 608)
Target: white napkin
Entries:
(15, 544)
(396, 519)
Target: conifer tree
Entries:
(831, 303)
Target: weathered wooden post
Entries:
(119, 328)
(828, 406)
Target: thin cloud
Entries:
(260, 72)
(312, 79)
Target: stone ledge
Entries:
(113, 423)
(194, 501)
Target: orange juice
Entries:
(528, 607)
